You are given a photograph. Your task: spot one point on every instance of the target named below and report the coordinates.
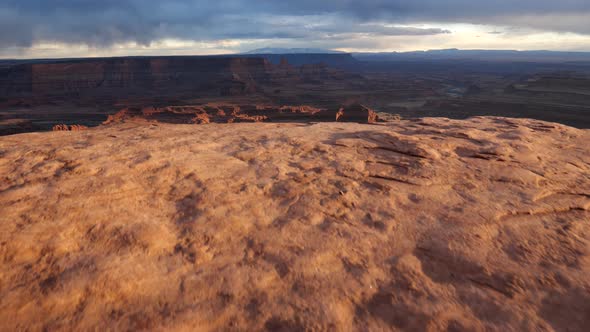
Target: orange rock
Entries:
(419, 225)
(64, 127)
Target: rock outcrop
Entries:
(64, 127)
(422, 225)
(230, 113)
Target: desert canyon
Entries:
(295, 166)
(296, 192)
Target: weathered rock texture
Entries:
(481, 224)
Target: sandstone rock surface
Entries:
(432, 224)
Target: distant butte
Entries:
(416, 225)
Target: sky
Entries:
(79, 28)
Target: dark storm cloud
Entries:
(102, 23)
(433, 8)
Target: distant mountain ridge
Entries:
(273, 50)
(486, 55)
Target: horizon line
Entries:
(336, 52)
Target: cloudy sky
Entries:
(66, 28)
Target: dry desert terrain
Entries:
(421, 225)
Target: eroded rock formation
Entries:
(64, 127)
(230, 113)
(431, 224)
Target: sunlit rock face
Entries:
(431, 224)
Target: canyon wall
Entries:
(217, 75)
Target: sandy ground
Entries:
(425, 225)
